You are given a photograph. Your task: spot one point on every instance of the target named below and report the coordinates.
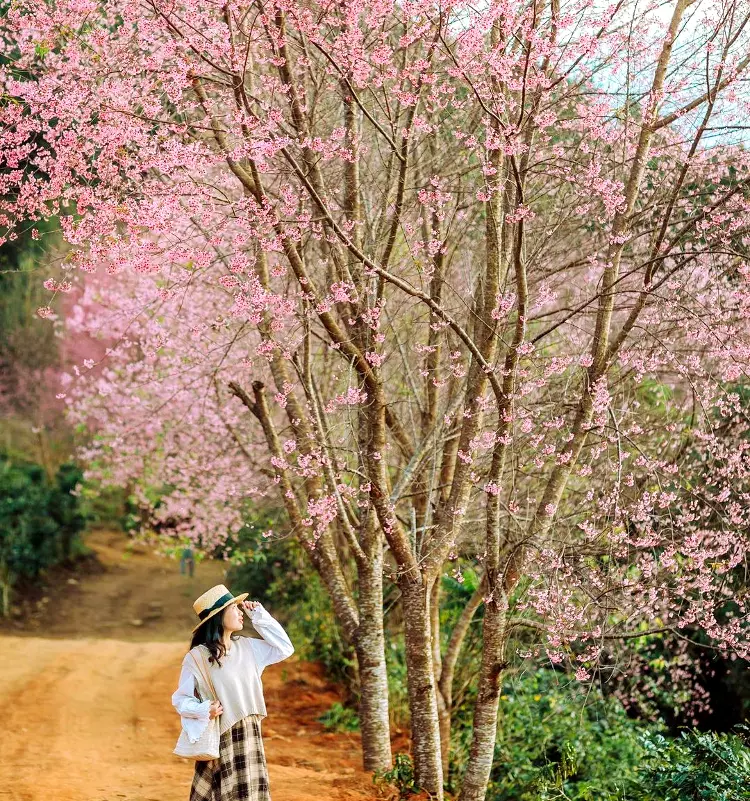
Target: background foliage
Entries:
(41, 520)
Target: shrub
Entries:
(556, 738)
(340, 718)
(400, 776)
(696, 766)
(313, 626)
(40, 521)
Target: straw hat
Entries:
(213, 601)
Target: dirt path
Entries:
(85, 696)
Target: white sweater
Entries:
(237, 681)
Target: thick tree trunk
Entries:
(423, 708)
(373, 680)
(479, 767)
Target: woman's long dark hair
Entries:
(211, 634)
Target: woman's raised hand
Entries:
(248, 606)
(215, 710)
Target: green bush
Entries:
(340, 718)
(270, 570)
(313, 626)
(556, 738)
(40, 521)
(696, 766)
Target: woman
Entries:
(235, 664)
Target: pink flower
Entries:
(375, 359)
(521, 213)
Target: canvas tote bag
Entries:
(206, 747)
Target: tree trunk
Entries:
(373, 680)
(479, 767)
(423, 709)
(6, 581)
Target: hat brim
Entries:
(238, 599)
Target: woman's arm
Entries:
(194, 712)
(275, 645)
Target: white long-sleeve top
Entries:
(237, 681)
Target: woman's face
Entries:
(233, 618)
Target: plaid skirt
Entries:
(240, 773)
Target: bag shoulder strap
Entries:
(204, 672)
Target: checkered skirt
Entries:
(240, 773)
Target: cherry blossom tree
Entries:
(448, 279)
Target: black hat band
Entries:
(225, 599)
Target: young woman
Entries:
(234, 666)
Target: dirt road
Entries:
(85, 694)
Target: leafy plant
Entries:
(340, 718)
(697, 766)
(400, 776)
